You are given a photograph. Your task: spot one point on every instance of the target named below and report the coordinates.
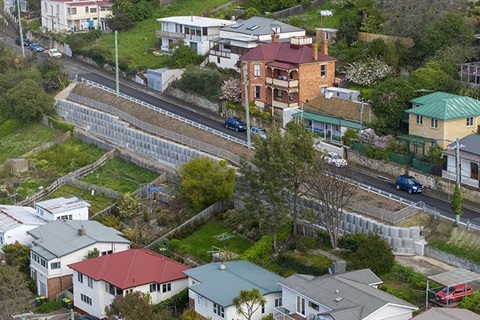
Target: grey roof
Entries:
(14, 216)
(265, 26)
(61, 237)
(62, 204)
(347, 295)
(365, 276)
(470, 149)
(454, 277)
(447, 314)
(222, 285)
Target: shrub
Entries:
(374, 253)
(8, 127)
(349, 136)
(178, 302)
(352, 241)
(60, 125)
(375, 153)
(260, 252)
(203, 81)
(49, 306)
(301, 264)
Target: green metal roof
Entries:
(445, 106)
(328, 119)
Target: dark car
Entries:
(36, 47)
(453, 293)
(26, 41)
(235, 123)
(408, 183)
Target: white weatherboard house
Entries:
(195, 31)
(97, 281)
(15, 221)
(469, 161)
(72, 208)
(59, 243)
(348, 296)
(212, 287)
(236, 39)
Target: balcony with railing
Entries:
(283, 103)
(286, 313)
(169, 34)
(223, 54)
(282, 81)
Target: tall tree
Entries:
(248, 302)
(13, 291)
(18, 255)
(328, 184)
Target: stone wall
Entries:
(451, 259)
(194, 99)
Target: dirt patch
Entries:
(377, 200)
(152, 117)
(424, 265)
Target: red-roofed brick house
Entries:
(287, 74)
(97, 281)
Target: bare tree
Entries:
(13, 291)
(331, 187)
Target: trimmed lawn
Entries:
(26, 137)
(121, 175)
(97, 202)
(212, 234)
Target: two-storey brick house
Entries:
(287, 75)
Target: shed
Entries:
(16, 166)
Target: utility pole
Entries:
(247, 107)
(457, 162)
(116, 63)
(20, 27)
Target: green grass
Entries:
(120, 175)
(202, 241)
(97, 202)
(26, 137)
(137, 44)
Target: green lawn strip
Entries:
(311, 19)
(97, 202)
(202, 241)
(120, 175)
(66, 157)
(26, 137)
(137, 44)
(290, 263)
(470, 253)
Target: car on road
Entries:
(235, 123)
(335, 159)
(53, 53)
(453, 293)
(26, 41)
(34, 46)
(259, 131)
(408, 183)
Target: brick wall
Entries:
(58, 284)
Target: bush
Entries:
(8, 127)
(374, 253)
(352, 241)
(304, 244)
(203, 81)
(49, 306)
(60, 125)
(376, 153)
(177, 302)
(260, 252)
(301, 264)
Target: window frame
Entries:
(323, 70)
(470, 122)
(433, 123)
(419, 119)
(256, 70)
(257, 92)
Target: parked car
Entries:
(53, 53)
(26, 41)
(335, 159)
(453, 293)
(408, 183)
(36, 46)
(235, 123)
(259, 131)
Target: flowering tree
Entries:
(231, 90)
(368, 72)
(370, 137)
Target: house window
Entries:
(86, 9)
(323, 70)
(470, 122)
(278, 302)
(80, 277)
(58, 9)
(218, 309)
(110, 288)
(278, 93)
(256, 70)
(205, 31)
(54, 265)
(93, 10)
(166, 287)
(300, 305)
(86, 299)
(258, 92)
(201, 301)
(44, 263)
(434, 123)
(90, 282)
(154, 287)
(314, 306)
(263, 308)
(218, 60)
(104, 253)
(419, 119)
(74, 10)
(290, 96)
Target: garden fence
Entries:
(422, 166)
(402, 159)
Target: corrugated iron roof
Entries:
(329, 119)
(62, 204)
(132, 268)
(341, 108)
(14, 216)
(445, 106)
(266, 26)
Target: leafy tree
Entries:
(26, 101)
(7, 58)
(142, 10)
(231, 90)
(92, 254)
(120, 22)
(183, 56)
(374, 253)
(132, 306)
(17, 255)
(13, 290)
(205, 181)
(112, 222)
(471, 302)
(334, 192)
(203, 81)
(348, 27)
(53, 76)
(457, 203)
(431, 77)
(129, 206)
(248, 302)
(367, 72)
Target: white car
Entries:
(259, 131)
(53, 53)
(335, 159)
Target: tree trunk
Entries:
(295, 213)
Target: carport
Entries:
(450, 278)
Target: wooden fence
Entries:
(369, 37)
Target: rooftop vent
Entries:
(221, 266)
(81, 231)
(338, 299)
(254, 27)
(236, 25)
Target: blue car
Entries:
(409, 184)
(36, 46)
(235, 123)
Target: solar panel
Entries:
(237, 25)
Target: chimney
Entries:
(325, 47)
(275, 38)
(315, 51)
(81, 231)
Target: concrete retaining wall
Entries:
(451, 259)
(194, 99)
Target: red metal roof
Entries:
(285, 52)
(131, 268)
(282, 65)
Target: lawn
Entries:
(137, 44)
(26, 136)
(213, 234)
(97, 202)
(121, 175)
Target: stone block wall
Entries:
(194, 99)
(451, 259)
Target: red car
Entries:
(453, 293)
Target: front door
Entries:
(43, 289)
(300, 305)
(474, 170)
